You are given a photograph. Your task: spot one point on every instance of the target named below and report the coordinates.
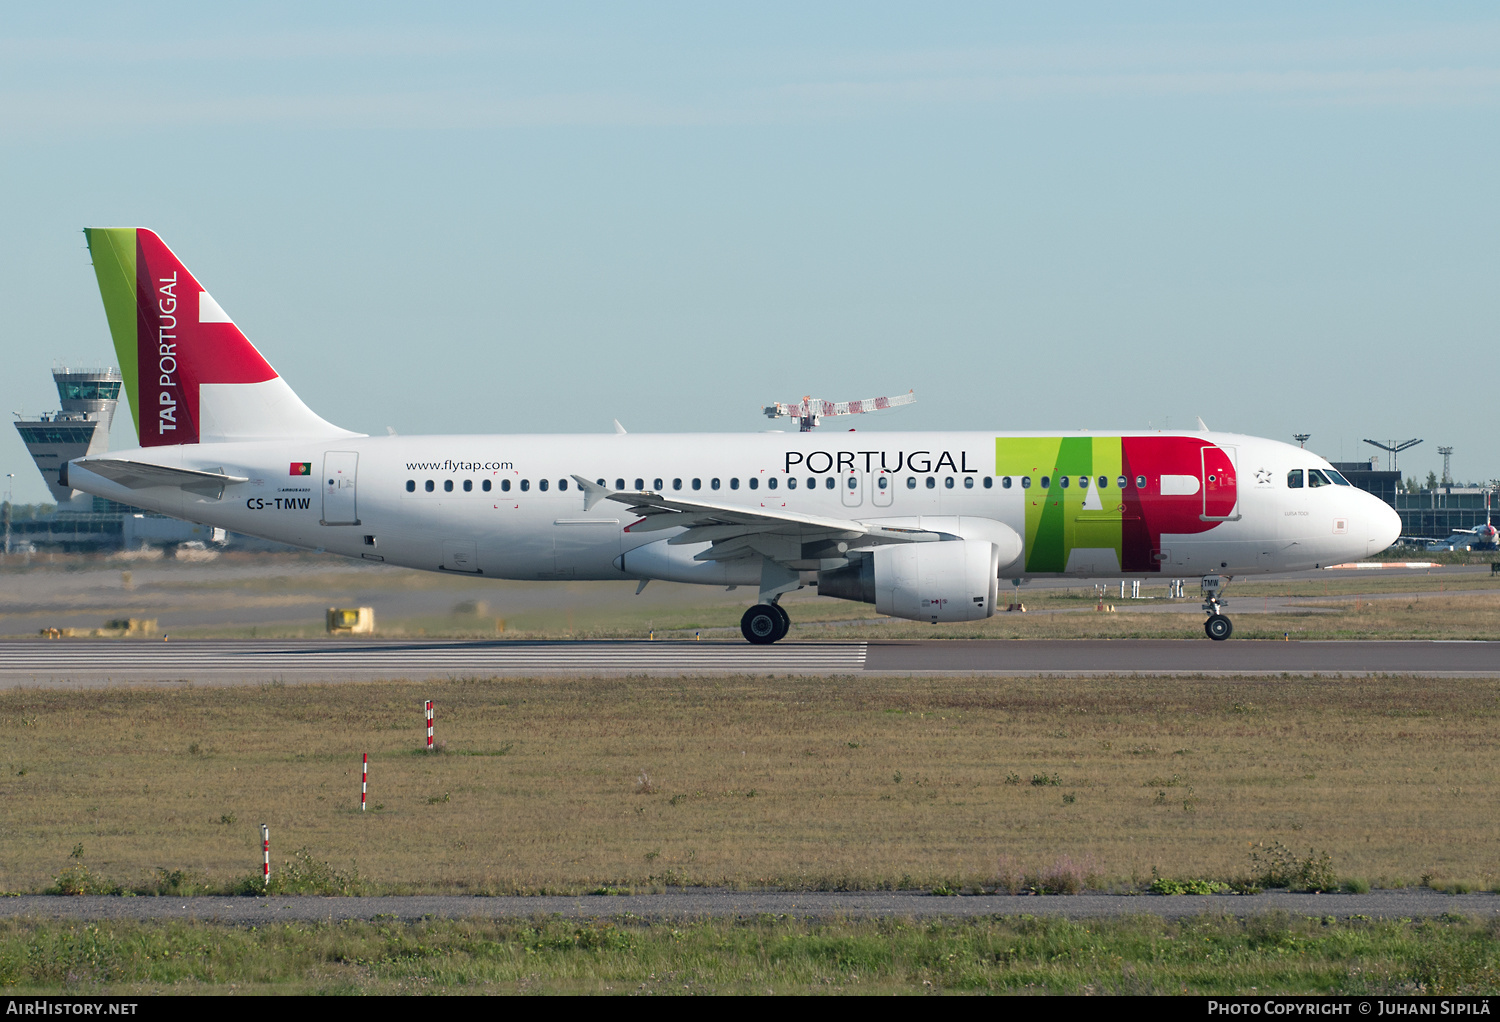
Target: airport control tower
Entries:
(81, 427)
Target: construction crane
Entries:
(811, 411)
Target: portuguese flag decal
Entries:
(301, 468)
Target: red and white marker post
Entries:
(265, 847)
(364, 781)
(429, 725)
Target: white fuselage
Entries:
(506, 507)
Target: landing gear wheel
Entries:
(1218, 627)
(763, 624)
(786, 620)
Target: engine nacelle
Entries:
(950, 581)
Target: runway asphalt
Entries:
(691, 904)
(70, 663)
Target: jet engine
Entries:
(955, 580)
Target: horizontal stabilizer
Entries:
(140, 475)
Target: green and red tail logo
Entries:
(171, 337)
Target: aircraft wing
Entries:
(138, 475)
(739, 531)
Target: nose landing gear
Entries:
(1218, 626)
(765, 623)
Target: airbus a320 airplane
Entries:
(922, 525)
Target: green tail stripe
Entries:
(113, 250)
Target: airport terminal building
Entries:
(81, 427)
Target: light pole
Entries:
(1392, 448)
(1446, 452)
(1302, 438)
(8, 477)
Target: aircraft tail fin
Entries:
(190, 374)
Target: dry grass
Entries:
(797, 782)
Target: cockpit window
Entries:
(1337, 478)
(1294, 479)
(1315, 477)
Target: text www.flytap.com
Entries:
(459, 466)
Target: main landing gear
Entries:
(1218, 626)
(765, 623)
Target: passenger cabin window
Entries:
(1121, 482)
(989, 482)
(829, 483)
(734, 484)
(428, 486)
(948, 482)
(1140, 482)
(656, 485)
(619, 484)
(1294, 479)
(1062, 481)
(468, 485)
(754, 483)
(505, 485)
(562, 484)
(812, 484)
(713, 484)
(1315, 477)
(697, 484)
(640, 484)
(676, 484)
(1026, 482)
(932, 482)
(485, 486)
(882, 482)
(911, 482)
(525, 485)
(771, 483)
(1005, 482)
(447, 485)
(1046, 482)
(541, 484)
(411, 486)
(969, 482)
(853, 483)
(791, 482)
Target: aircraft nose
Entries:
(1385, 526)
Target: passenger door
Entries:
(340, 469)
(1220, 485)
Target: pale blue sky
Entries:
(504, 218)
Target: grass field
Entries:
(1269, 954)
(577, 784)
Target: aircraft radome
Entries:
(922, 525)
